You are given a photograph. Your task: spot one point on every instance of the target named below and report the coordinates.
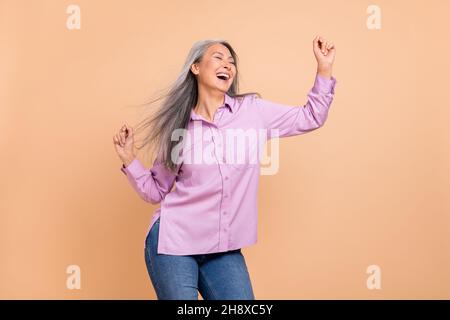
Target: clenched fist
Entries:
(124, 144)
(324, 51)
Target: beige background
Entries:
(370, 187)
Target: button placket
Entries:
(223, 225)
(218, 150)
(224, 209)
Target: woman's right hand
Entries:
(124, 144)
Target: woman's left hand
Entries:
(324, 52)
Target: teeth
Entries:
(223, 74)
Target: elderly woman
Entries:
(194, 240)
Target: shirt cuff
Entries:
(134, 168)
(324, 85)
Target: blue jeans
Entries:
(217, 276)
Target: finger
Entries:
(122, 133)
(316, 38)
(324, 43)
(316, 42)
(320, 44)
(330, 45)
(120, 140)
(127, 131)
(117, 140)
(124, 128)
(122, 137)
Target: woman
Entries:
(195, 238)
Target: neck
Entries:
(208, 102)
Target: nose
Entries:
(228, 66)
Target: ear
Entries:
(194, 68)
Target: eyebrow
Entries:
(222, 54)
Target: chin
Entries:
(226, 85)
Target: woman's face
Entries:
(216, 70)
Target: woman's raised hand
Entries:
(124, 144)
(324, 51)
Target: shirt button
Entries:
(226, 177)
(225, 196)
(224, 212)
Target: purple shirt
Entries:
(214, 205)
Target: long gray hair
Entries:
(175, 110)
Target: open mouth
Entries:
(223, 76)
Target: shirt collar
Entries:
(229, 101)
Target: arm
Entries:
(153, 184)
(296, 120)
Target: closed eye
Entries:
(221, 59)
